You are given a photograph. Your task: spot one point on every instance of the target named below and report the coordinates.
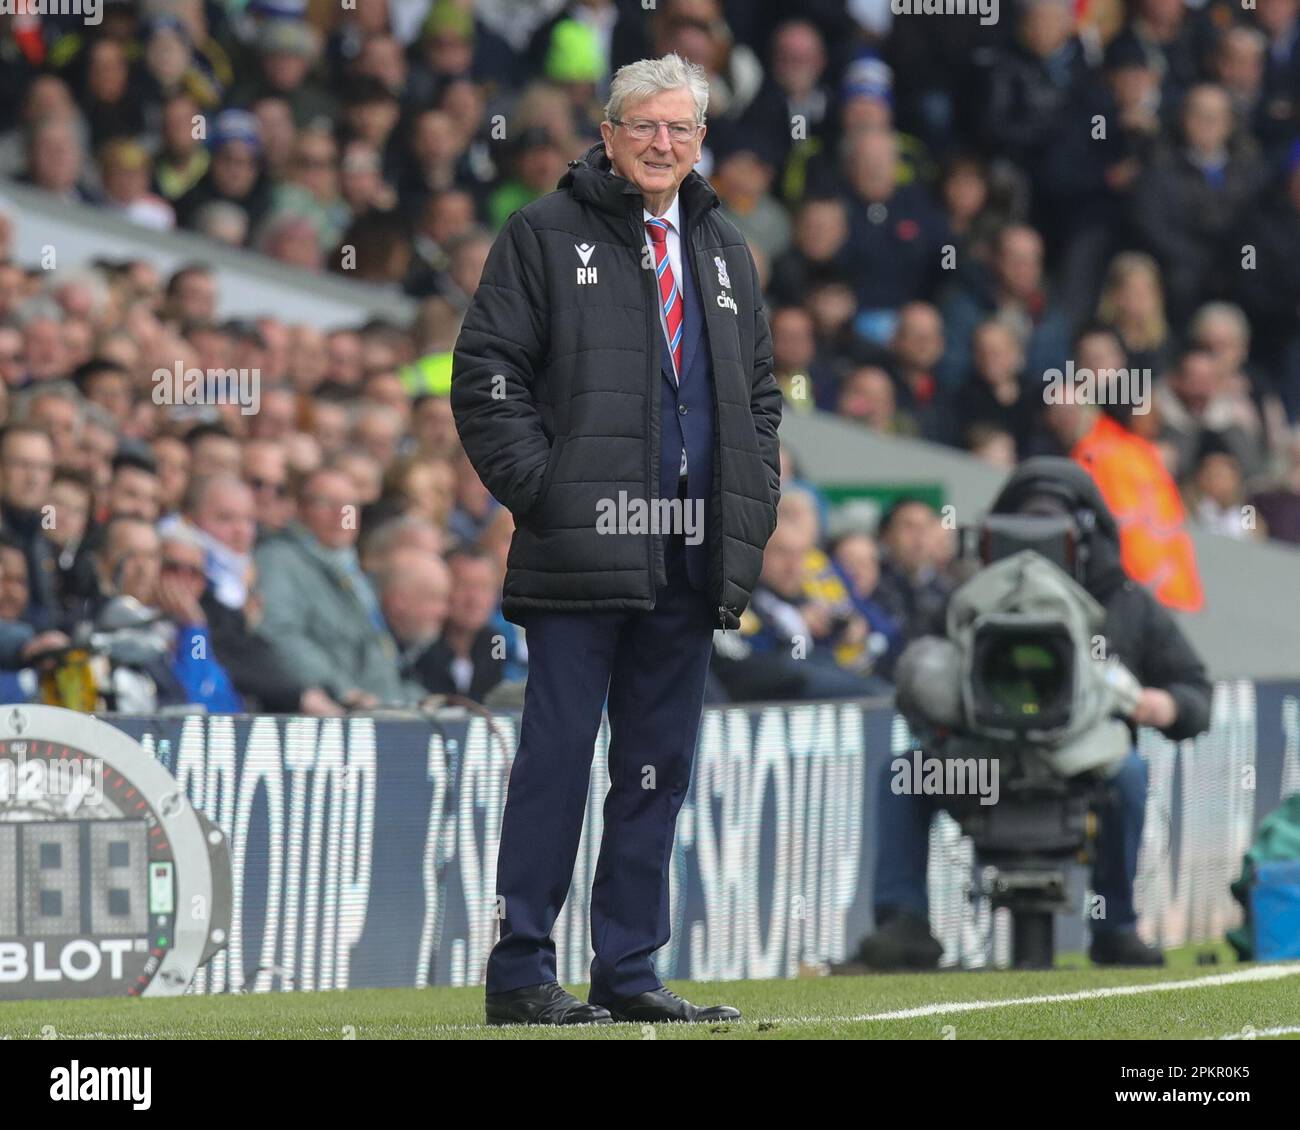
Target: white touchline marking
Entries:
(1262, 973)
(1259, 973)
(1259, 1032)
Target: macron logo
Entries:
(586, 275)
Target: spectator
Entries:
(221, 512)
(56, 159)
(966, 193)
(1277, 19)
(1012, 289)
(1135, 483)
(1278, 504)
(266, 471)
(1194, 399)
(235, 175)
(1215, 495)
(911, 590)
(192, 294)
(909, 242)
(287, 53)
(20, 645)
(918, 346)
(806, 382)
(213, 451)
(71, 500)
(996, 393)
(416, 596)
(1222, 330)
(469, 657)
(126, 174)
(128, 563)
(26, 474)
(743, 178)
(538, 164)
(777, 654)
(990, 444)
(195, 666)
(1170, 36)
(821, 231)
(857, 560)
(56, 408)
(1270, 292)
(182, 160)
(134, 490)
(867, 397)
(172, 459)
(1194, 194)
(1132, 304)
(322, 616)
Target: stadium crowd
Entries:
(944, 213)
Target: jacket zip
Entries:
(723, 609)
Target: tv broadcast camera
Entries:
(1021, 677)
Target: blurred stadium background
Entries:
(945, 213)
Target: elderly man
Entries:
(612, 316)
(219, 514)
(415, 596)
(322, 616)
(221, 509)
(266, 471)
(27, 472)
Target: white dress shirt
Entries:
(673, 214)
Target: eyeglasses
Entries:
(642, 129)
(169, 566)
(259, 485)
(12, 463)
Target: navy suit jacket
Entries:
(687, 418)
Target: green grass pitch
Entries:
(963, 1006)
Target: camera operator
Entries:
(1175, 699)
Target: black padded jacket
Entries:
(555, 390)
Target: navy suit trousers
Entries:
(652, 667)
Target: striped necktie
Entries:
(670, 294)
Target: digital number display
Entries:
(68, 878)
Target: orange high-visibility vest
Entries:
(1155, 547)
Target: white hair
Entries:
(1221, 311)
(635, 82)
(184, 534)
(25, 403)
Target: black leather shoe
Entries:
(542, 1004)
(1122, 947)
(660, 1005)
(901, 942)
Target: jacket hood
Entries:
(1065, 479)
(592, 180)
